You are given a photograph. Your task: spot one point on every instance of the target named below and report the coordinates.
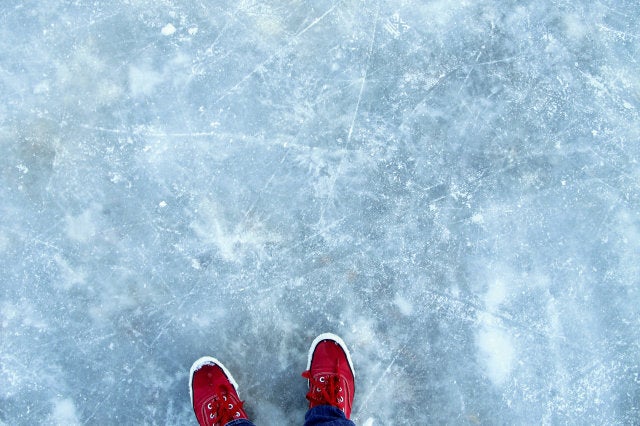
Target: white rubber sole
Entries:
(338, 340)
(207, 360)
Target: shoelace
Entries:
(221, 410)
(324, 389)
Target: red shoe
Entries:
(214, 393)
(330, 374)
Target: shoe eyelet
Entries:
(230, 406)
(237, 414)
(212, 416)
(340, 399)
(209, 406)
(322, 379)
(224, 397)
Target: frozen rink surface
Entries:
(453, 187)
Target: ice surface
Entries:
(452, 187)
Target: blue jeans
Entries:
(326, 415)
(323, 415)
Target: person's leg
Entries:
(331, 382)
(326, 415)
(241, 422)
(214, 395)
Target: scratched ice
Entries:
(453, 187)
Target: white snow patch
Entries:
(80, 228)
(497, 353)
(23, 315)
(455, 291)
(201, 321)
(162, 204)
(495, 295)
(268, 21)
(158, 150)
(193, 30)
(477, 218)
(69, 275)
(168, 29)
(231, 240)
(442, 12)
(108, 91)
(115, 177)
(111, 303)
(143, 80)
(361, 331)
(395, 25)
(64, 413)
(404, 305)
(368, 422)
(575, 26)
(496, 348)
(195, 264)
(40, 88)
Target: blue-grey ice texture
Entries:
(451, 186)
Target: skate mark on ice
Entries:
(320, 18)
(261, 66)
(620, 34)
(264, 188)
(363, 404)
(464, 83)
(364, 76)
